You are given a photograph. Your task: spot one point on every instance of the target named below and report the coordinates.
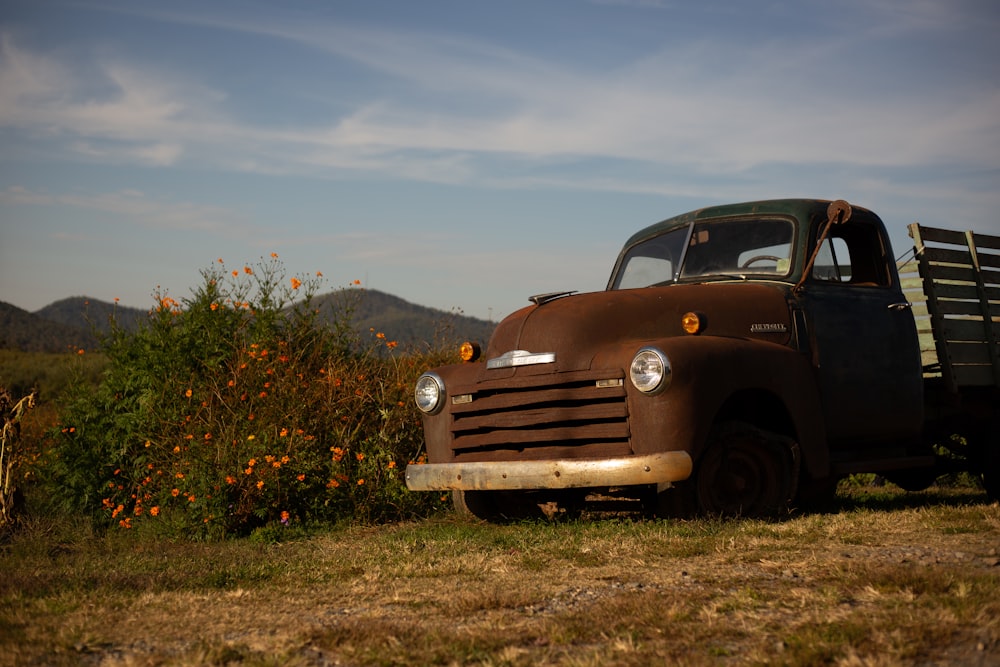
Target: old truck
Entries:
(742, 359)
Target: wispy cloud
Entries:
(711, 107)
(133, 207)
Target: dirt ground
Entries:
(911, 585)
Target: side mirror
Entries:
(838, 212)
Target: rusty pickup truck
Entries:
(742, 359)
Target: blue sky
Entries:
(466, 154)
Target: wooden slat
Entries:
(961, 274)
(986, 259)
(962, 287)
(987, 241)
(948, 256)
(967, 330)
(942, 236)
(973, 376)
(946, 291)
(969, 353)
(989, 276)
(948, 307)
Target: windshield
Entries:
(736, 248)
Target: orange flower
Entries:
(252, 462)
(296, 283)
(188, 393)
(360, 456)
(230, 479)
(274, 255)
(191, 498)
(260, 484)
(360, 482)
(155, 510)
(235, 273)
(214, 306)
(301, 477)
(175, 492)
(247, 270)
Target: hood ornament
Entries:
(539, 299)
(521, 358)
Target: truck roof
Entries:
(801, 209)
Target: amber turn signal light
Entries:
(693, 323)
(469, 351)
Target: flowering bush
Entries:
(237, 408)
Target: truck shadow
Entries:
(884, 496)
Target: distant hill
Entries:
(402, 321)
(69, 324)
(21, 330)
(91, 314)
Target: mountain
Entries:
(21, 330)
(71, 323)
(91, 314)
(399, 320)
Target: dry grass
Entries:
(882, 579)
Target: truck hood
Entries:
(576, 327)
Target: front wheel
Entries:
(744, 471)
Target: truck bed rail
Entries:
(953, 282)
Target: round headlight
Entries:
(429, 393)
(650, 370)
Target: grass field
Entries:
(880, 578)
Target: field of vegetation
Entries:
(223, 485)
(879, 578)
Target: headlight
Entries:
(429, 393)
(650, 370)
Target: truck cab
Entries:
(739, 353)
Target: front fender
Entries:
(706, 372)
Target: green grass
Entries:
(876, 581)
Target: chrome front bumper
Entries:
(558, 474)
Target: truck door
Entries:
(863, 339)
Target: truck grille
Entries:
(542, 411)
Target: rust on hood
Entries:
(573, 328)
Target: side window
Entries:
(852, 254)
(833, 263)
(642, 271)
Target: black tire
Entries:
(744, 471)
